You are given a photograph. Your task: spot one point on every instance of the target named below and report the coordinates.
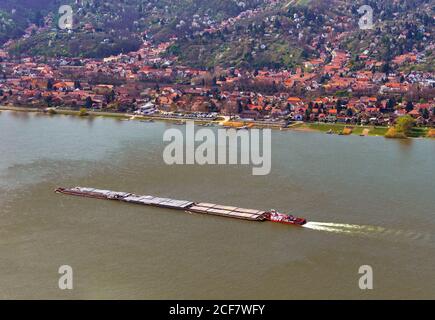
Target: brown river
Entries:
(370, 201)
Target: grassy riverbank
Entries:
(416, 132)
(339, 128)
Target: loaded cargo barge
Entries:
(201, 207)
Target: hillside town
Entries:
(327, 83)
(149, 82)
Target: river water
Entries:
(371, 201)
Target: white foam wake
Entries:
(370, 231)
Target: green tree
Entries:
(307, 114)
(83, 112)
(425, 113)
(49, 101)
(409, 106)
(77, 84)
(404, 124)
(390, 104)
(89, 102)
(50, 84)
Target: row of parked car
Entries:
(196, 115)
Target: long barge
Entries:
(190, 206)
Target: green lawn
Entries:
(337, 128)
(324, 127)
(418, 132)
(378, 131)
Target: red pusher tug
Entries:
(277, 217)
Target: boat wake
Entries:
(370, 231)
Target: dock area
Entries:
(185, 205)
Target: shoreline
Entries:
(129, 116)
(316, 127)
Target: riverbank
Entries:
(128, 116)
(331, 128)
(335, 128)
(344, 129)
(122, 116)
